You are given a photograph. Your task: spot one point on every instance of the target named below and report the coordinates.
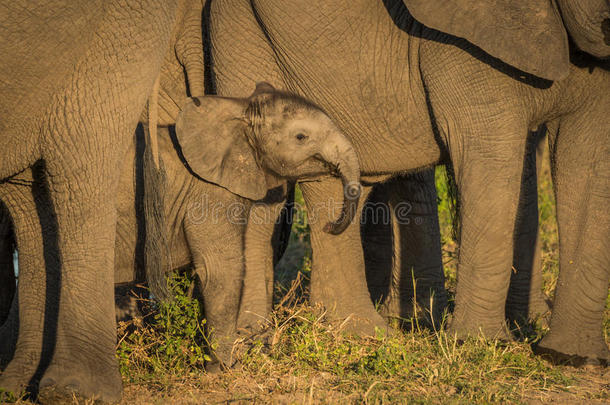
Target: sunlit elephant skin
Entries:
(75, 82)
(402, 252)
(26, 326)
(206, 222)
(409, 97)
(203, 235)
(580, 160)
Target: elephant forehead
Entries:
(307, 120)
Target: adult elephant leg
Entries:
(413, 204)
(28, 201)
(488, 177)
(338, 280)
(379, 251)
(7, 272)
(261, 243)
(526, 301)
(581, 174)
(416, 286)
(485, 132)
(81, 177)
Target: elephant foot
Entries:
(252, 323)
(12, 387)
(573, 350)
(364, 326)
(538, 309)
(223, 357)
(18, 375)
(62, 385)
(465, 328)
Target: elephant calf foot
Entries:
(223, 355)
(61, 385)
(540, 309)
(576, 351)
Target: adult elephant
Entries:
(76, 76)
(402, 251)
(409, 96)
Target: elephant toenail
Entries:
(46, 382)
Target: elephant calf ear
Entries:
(211, 134)
(528, 35)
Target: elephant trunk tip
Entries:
(351, 194)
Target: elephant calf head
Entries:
(248, 145)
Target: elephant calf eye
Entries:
(301, 137)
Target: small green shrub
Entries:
(172, 339)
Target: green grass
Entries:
(302, 358)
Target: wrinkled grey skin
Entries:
(75, 82)
(402, 252)
(206, 224)
(200, 234)
(408, 97)
(203, 235)
(580, 159)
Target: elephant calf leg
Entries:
(260, 244)
(217, 253)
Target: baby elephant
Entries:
(250, 148)
(240, 151)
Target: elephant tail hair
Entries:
(156, 246)
(454, 201)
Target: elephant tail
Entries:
(454, 201)
(156, 246)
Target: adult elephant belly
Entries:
(33, 72)
(350, 59)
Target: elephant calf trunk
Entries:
(351, 196)
(347, 165)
